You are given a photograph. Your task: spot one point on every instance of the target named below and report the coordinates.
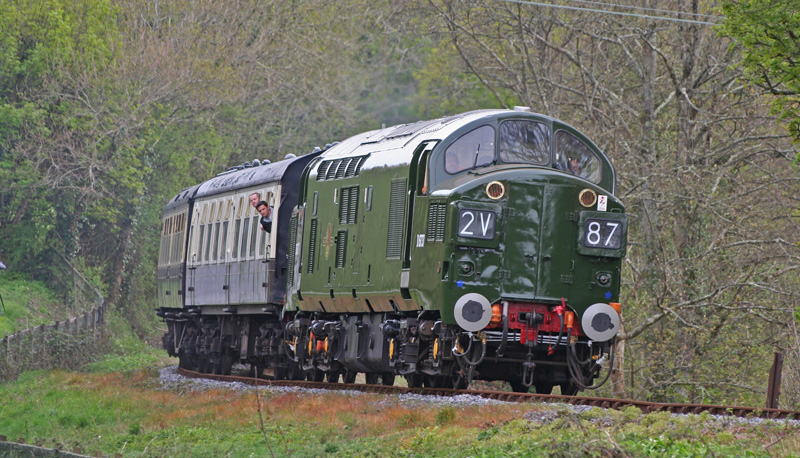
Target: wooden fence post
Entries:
(774, 387)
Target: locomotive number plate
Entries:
(603, 233)
(476, 224)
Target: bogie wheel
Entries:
(204, 365)
(295, 372)
(569, 389)
(458, 381)
(280, 373)
(333, 376)
(519, 387)
(225, 364)
(349, 376)
(371, 378)
(316, 375)
(544, 387)
(187, 362)
(387, 379)
(414, 380)
(436, 381)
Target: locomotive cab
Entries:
(520, 219)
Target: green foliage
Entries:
(445, 87)
(445, 415)
(127, 355)
(128, 352)
(767, 30)
(44, 43)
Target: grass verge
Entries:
(119, 407)
(26, 304)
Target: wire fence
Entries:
(66, 344)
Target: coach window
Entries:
(200, 239)
(473, 149)
(162, 255)
(229, 209)
(526, 142)
(575, 157)
(245, 236)
(262, 247)
(216, 241)
(191, 240)
(254, 235)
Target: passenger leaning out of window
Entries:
(266, 215)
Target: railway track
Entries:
(609, 403)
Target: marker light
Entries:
(495, 190)
(587, 197)
(496, 315)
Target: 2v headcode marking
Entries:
(476, 224)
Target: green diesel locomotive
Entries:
(485, 245)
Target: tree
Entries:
(706, 177)
(40, 42)
(768, 32)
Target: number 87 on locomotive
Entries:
(481, 246)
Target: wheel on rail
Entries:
(187, 362)
(280, 372)
(414, 380)
(519, 387)
(315, 375)
(295, 372)
(332, 376)
(204, 365)
(371, 378)
(458, 381)
(349, 376)
(543, 387)
(569, 389)
(387, 379)
(437, 381)
(224, 365)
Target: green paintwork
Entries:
(533, 256)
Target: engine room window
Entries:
(526, 142)
(575, 157)
(473, 149)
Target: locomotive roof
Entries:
(395, 146)
(394, 140)
(397, 137)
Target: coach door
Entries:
(192, 256)
(249, 266)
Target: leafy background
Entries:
(108, 108)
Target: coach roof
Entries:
(246, 177)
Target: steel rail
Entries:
(608, 403)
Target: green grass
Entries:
(27, 304)
(115, 405)
(118, 407)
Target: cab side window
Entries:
(526, 142)
(473, 149)
(575, 157)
